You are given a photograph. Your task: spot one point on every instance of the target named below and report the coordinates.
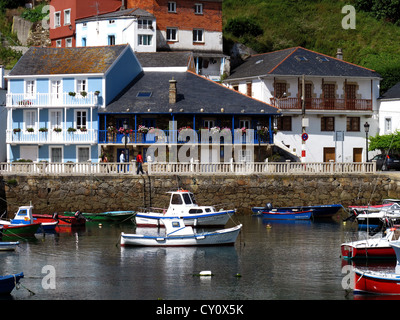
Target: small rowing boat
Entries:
(105, 216)
(8, 246)
(8, 283)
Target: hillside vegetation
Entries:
(268, 25)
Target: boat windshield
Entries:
(192, 197)
(176, 199)
(186, 198)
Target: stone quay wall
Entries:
(99, 193)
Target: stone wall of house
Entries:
(102, 193)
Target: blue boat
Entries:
(287, 215)
(319, 211)
(8, 283)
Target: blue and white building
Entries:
(54, 97)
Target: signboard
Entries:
(304, 136)
(339, 136)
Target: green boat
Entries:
(119, 216)
(21, 230)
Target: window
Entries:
(171, 6)
(81, 119)
(144, 94)
(198, 35)
(328, 124)
(244, 124)
(67, 17)
(57, 19)
(249, 89)
(353, 124)
(111, 40)
(55, 154)
(209, 124)
(30, 118)
(388, 125)
(83, 154)
(285, 123)
(145, 39)
(55, 119)
(198, 8)
(58, 43)
(176, 199)
(186, 198)
(81, 85)
(329, 93)
(172, 34)
(83, 42)
(145, 24)
(280, 90)
(68, 42)
(30, 88)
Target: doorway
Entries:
(329, 154)
(357, 154)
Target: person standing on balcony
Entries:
(139, 161)
(122, 156)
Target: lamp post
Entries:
(259, 127)
(125, 125)
(366, 128)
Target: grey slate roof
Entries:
(392, 93)
(296, 62)
(164, 59)
(118, 14)
(193, 93)
(50, 61)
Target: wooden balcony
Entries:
(324, 104)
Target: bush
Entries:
(242, 26)
(35, 14)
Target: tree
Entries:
(385, 143)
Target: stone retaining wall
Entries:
(102, 193)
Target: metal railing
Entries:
(51, 136)
(182, 168)
(324, 104)
(51, 99)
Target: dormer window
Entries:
(172, 6)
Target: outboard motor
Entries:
(268, 206)
(55, 215)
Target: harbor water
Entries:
(289, 260)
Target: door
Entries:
(329, 96)
(29, 153)
(329, 154)
(357, 154)
(56, 125)
(56, 92)
(350, 96)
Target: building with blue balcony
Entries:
(54, 97)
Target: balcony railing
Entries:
(324, 104)
(77, 137)
(51, 99)
(174, 136)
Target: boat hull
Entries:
(377, 283)
(321, 211)
(222, 237)
(7, 283)
(351, 252)
(154, 219)
(23, 230)
(8, 246)
(63, 221)
(106, 216)
(275, 215)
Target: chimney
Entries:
(339, 54)
(172, 91)
(2, 84)
(123, 5)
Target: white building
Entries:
(339, 99)
(133, 26)
(389, 111)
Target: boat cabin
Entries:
(23, 216)
(176, 227)
(183, 201)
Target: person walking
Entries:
(139, 162)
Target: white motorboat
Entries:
(183, 205)
(177, 234)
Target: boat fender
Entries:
(26, 218)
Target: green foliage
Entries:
(381, 9)
(241, 26)
(385, 142)
(35, 14)
(10, 4)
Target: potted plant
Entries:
(16, 130)
(142, 129)
(83, 129)
(97, 92)
(83, 94)
(43, 129)
(30, 129)
(56, 129)
(70, 129)
(72, 94)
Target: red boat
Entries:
(376, 282)
(63, 221)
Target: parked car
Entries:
(387, 161)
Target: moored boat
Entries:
(106, 216)
(282, 214)
(377, 247)
(62, 221)
(8, 282)
(20, 231)
(8, 245)
(177, 234)
(376, 282)
(183, 205)
(318, 211)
